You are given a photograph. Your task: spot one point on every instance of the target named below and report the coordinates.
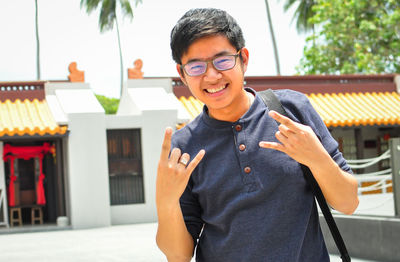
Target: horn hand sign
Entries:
(296, 140)
(174, 171)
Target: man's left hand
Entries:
(296, 140)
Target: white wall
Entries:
(146, 104)
(87, 166)
(152, 125)
(156, 94)
(150, 108)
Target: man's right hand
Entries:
(173, 172)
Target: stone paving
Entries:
(133, 243)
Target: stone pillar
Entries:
(3, 190)
(394, 145)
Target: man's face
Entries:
(221, 91)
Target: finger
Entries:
(284, 120)
(282, 138)
(175, 155)
(285, 130)
(272, 145)
(196, 160)
(166, 145)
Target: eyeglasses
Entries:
(221, 63)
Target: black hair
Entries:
(202, 22)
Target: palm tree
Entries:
(108, 17)
(271, 30)
(37, 42)
(302, 14)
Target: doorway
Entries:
(38, 180)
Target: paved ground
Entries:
(133, 243)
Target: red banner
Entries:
(26, 152)
(11, 190)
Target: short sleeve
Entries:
(191, 211)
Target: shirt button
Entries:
(242, 147)
(247, 169)
(238, 128)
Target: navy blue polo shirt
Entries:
(246, 203)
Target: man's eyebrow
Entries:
(214, 56)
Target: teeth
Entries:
(215, 90)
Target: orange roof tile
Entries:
(27, 118)
(192, 105)
(342, 109)
(355, 109)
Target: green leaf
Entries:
(353, 36)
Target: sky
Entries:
(67, 33)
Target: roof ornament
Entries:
(75, 74)
(136, 71)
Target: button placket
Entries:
(238, 127)
(239, 131)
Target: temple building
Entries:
(64, 159)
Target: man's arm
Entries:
(339, 187)
(300, 143)
(173, 239)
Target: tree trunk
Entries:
(271, 29)
(37, 42)
(120, 58)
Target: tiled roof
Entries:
(342, 109)
(27, 118)
(355, 109)
(192, 105)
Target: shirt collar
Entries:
(214, 123)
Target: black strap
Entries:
(273, 103)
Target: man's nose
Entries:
(212, 73)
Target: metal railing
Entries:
(383, 179)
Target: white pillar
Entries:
(394, 145)
(3, 190)
(86, 154)
(397, 82)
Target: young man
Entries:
(232, 186)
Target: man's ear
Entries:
(245, 58)
(181, 74)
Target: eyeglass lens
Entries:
(220, 63)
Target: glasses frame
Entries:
(212, 62)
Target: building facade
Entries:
(95, 170)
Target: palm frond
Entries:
(126, 8)
(107, 15)
(302, 13)
(90, 5)
(289, 4)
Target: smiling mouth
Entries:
(215, 90)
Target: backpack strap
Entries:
(273, 103)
